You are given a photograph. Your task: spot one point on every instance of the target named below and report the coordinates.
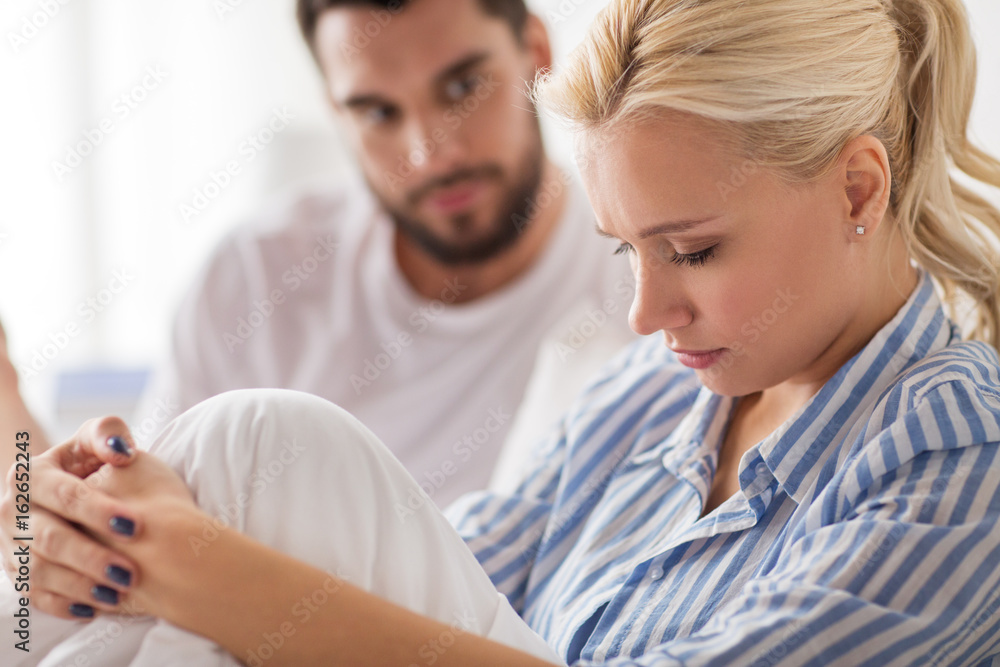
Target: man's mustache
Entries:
(468, 174)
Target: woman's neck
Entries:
(892, 282)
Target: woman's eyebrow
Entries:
(665, 228)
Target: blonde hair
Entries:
(795, 80)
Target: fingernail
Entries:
(119, 575)
(123, 526)
(81, 610)
(104, 594)
(119, 445)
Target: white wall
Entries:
(220, 75)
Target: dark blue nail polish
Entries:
(104, 594)
(119, 575)
(119, 445)
(123, 526)
(81, 610)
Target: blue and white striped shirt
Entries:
(865, 533)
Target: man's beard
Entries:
(512, 217)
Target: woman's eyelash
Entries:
(694, 259)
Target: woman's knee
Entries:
(272, 463)
(257, 435)
(264, 424)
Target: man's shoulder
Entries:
(311, 226)
(296, 220)
(289, 246)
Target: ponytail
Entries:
(950, 230)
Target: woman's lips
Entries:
(699, 360)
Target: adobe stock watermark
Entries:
(123, 106)
(219, 180)
(301, 613)
(104, 635)
(548, 193)
(875, 551)
(457, 114)
(792, 636)
(34, 23)
(753, 330)
(420, 321)
(563, 11)
(586, 328)
(87, 311)
(589, 493)
(431, 482)
(224, 8)
(232, 512)
(947, 650)
(293, 278)
(738, 177)
(164, 409)
(363, 36)
(432, 650)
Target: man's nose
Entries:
(434, 148)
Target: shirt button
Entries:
(656, 574)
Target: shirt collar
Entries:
(796, 452)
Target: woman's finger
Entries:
(96, 442)
(58, 544)
(66, 583)
(63, 607)
(79, 501)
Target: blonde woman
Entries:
(804, 471)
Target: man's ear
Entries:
(535, 40)
(866, 179)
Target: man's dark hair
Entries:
(514, 12)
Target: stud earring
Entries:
(859, 230)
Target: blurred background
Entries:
(121, 118)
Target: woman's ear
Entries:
(867, 182)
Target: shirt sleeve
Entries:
(899, 568)
(507, 531)
(504, 531)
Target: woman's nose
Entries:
(658, 305)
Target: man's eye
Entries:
(624, 249)
(458, 89)
(379, 115)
